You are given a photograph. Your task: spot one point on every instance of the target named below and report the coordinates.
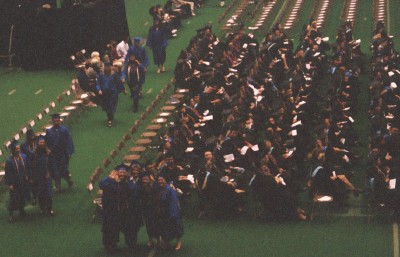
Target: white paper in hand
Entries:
(255, 148)
(392, 183)
(190, 177)
(244, 149)
(229, 157)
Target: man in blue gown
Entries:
(134, 76)
(59, 141)
(141, 56)
(42, 175)
(116, 202)
(17, 176)
(109, 85)
(157, 40)
(28, 147)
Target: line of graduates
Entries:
(34, 164)
(131, 197)
(384, 109)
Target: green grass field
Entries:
(71, 234)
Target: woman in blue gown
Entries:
(157, 40)
(169, 217)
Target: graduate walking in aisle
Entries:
(109, 85)
(141, 56)
(134, 76)
(157, 41)
(61, 146)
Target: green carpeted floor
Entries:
(71, 234)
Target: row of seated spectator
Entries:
(333, 156)
(384, 108)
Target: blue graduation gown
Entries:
(169, 215)
(140, 54)
(61, 146)
(148, 206)
(41, 173)
(157, 40)
(29, 151)
(115, 200)
(111, 85)
(134, 217)
(17, 175)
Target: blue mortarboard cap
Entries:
(137, 39)
(30, 133)
(55, 116)
(41, 137)
(122, 167)
(13, 145)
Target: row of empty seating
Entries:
(235, 18)
(350, 13)
(380, 10)
(294, 13)
(266, 10)
(322, 13)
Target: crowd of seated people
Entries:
(333, 156)
(253, 113)
(267, 119)
(384, 149)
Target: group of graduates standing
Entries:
(131, 197)
(34, 164)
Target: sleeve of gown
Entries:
(173, 202)
(70, 144)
